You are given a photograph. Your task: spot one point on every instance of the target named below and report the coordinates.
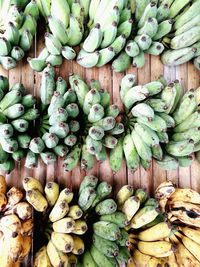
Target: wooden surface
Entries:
(184, 177)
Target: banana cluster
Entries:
(109, 239)
(63, 223)
(18, 24)
(16, 115)
(185, 138)
(16, 226)
(183, 42)
(148, 117)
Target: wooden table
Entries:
(184, 177)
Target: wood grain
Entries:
(189, 78)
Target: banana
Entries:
(148, 136)
(157, 124)
(123, 194)
(3, 185)
(168, 119)
(52, 44)
(125, 28)
(197, 62)
(94, 39)
(27, 227)
(75, 212)
(14, 196)
(140, 8)
(139, 60)
(168, 95)
(51, 193)
(140, 259)
(10, 225)
(80, 227)
(177, 7)
(88, 60)
(58, 30)
(116, 156)
(130, 152)
(78, 245)
(122, 62)
(60, 10)
(56, 257)
(41, 258)
(62, 242)
(135, 94)
(37, 200)
(150, 27)
(59, 210)
(192, 246)
(74, 27)
(64, 226)
(149, 12)
(130, 207)
(132, 49)
(30, 183)
(15, 246)
(109, 35)
(119, 43)
(88, 259)
(180, 148)
(105, 56)
(12, 34)
(3, 201)
(144, 216)
(99, 258)
(6, 260)
(185, 195)
(94, 5)
(160, 231)
(187, 26)
(177, 57)
(27, 242)
(157, 249)
(163, 11)
(86, 198)
(68, 52)
(72, 259)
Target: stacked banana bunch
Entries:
(153, 23)
(62, 224)
(184, 39)
(100, 124)
(109, 239)
(18, 24)
(15, 226)
(148, 114)
(16, 115)
(185, 138)
(58, 125)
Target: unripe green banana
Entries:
(52, 44)
(122, 62)
(87, 60)
(68, 52)
(5, 46)
(105, 56)
(130, 152)
(6, 130)
(135, 94)
(157, 124)
(70, 140)
(74, 27)
(119, 43)
(125, 28)
(91, 98)
(26, 40)
(155, 49)
(126, 83)
(116, 156)
(143, 110)
(148, 135)
(180, 148)
(54, 60)
(20, 125)
(157, 152)
(150, 11)
(87, 160)
(12, 34)
(7, 62)
(144, 41)
(139, 8)
(60, 10)
(190, 24)
(139, 60)
(109, 35)
(168, 119)
(168, 95)
(17, 53)
(162, 12)
(150, 27)
(132, 49)
(163, 29)
(94, 39)
(125, 15)
(29, 24)
(96, 133)
(58, 30)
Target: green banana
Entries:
(130, 152)
(116, 156)
(180, 148)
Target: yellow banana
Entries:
(65, 225)
(3, 201)
(14, 246)
(42, 259)
(172, 260)
(27, 227)
(75, 212)
(3, 185)
(80, 227)
(140, 259)
(57, 258)
(63, 242)
(185, 195)
(10, 225)
(163, 192)
(154, 262)
(79, 246)
(72, 259)
(192, 246)
(59, 211)
(51, 192)
(30, 183)
(14, 196)
(5, 259)
(131, 263)
(193, 234)
(37, 200)
(157, 232)
(124, 193)
(130, 207)
(23, 210)
(66, 195)
(157, 249)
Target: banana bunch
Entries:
(184, 139)
(16, 226)
(17, 113)
(18, 25)
(183, 42)
(147, 118)
(59, 224)
(58, 123)
(107, 239)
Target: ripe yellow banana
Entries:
(192, 246)
(23, 210)
(140, 259)
(157, 249)
(10, 225)
(14, 246)
(79, 246)
(193, 234)
(14, 196)
(5, 259)
(59, 211)
(66, 195)
(63, 242)
(27, 242)
(80, 227)
(42, 259)
(72, 259)
(37, 200)
(51, 192)
(65, 225)
(3, 185)
(163, 192)
(185, 195)
(130, 207)
(30, 183)
(157, 232)
(124, 193)
(57, 258)
(75, 212)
